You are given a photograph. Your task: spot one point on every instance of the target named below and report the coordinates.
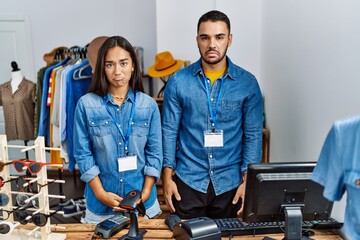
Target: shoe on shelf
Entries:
(73, 210)
(72, 202)
(67, 203)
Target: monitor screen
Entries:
(273, 187)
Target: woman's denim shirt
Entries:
(186, 115)
(98, 144)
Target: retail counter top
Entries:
(156, 229)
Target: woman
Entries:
(117, 134)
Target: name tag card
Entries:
(127, 163)
(213, 139)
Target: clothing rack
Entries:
(57, 56)
(76, 51)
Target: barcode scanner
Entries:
(132, 202)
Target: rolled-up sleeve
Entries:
(153, 149)
(82, 147)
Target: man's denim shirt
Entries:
(186, 115)
(98, 144)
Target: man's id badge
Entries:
(213, 139)
(127, 163)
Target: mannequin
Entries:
(16, 77)
(17, 98)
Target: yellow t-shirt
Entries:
(214, 75)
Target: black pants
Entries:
(195, 204)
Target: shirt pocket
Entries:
(230, 109)
(100, 127)
(352, 182)
(140, 128)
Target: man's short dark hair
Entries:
(214, 16)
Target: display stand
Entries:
(43, 195)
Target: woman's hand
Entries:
(110, 199)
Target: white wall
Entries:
(68, 23)
(310, 72)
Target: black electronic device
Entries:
(202, 228)
(238, 227)
(171, 220)
(132, 202)
(111, 226)
(326, 224)
(284, 192)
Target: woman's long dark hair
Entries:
(99, 84)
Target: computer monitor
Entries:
(284, 192)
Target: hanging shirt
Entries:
(19, 110)
(76, 87)
(338, 170)
(44, 119)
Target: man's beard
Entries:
(213, 62)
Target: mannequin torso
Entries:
(16, 78)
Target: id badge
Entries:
(213, 139)
(127, 163)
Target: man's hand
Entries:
(169, 188)
(240, 193)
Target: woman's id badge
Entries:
(213, 139)
(127, 163)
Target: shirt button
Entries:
(212, 99)
(357, 182)
(121, 180)
(119, 143)
(210, 156)
(211, 172)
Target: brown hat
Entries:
(50, 56)
(93, 49)
(165, 64)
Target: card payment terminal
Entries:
(111, 226)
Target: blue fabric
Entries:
(44, 121)
(338, 170)
(75, 88)
(98, 144)
(186, 115)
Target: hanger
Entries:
(79, 73)
(75, 51)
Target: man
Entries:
(212, 128)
